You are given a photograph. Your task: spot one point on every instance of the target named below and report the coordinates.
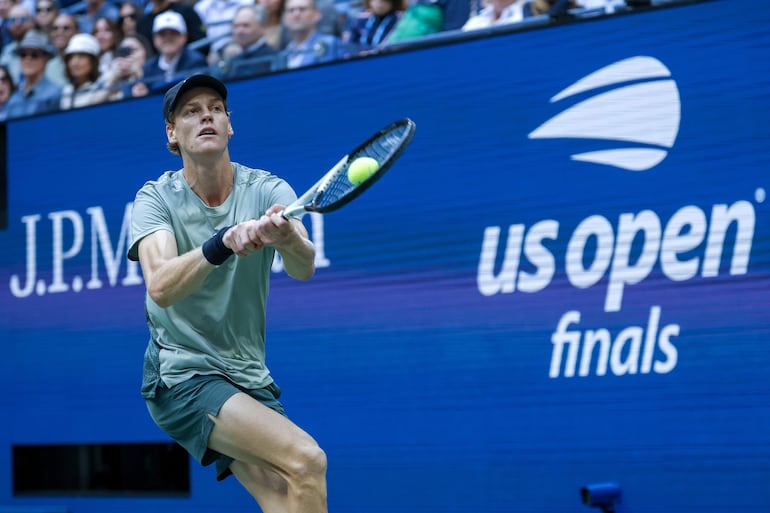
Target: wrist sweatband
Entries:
(215, 250)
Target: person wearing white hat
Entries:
(82, 61)
(175, 61)
(195, 28)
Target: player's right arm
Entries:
(169, 276)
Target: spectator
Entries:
(421, 18)
(174, 61)
(497, 12)
(64, 27)
(307, 45)
(5, 8)
(107, 33)
(129, 15)
(46, 12)
(125, 79)
(251, 54)
(96, 9)
(82, 60)
(276, 34)
(36, 94)
(19, 23)
(7, 88)
(217, 17)
(370, 27)
(195, 28)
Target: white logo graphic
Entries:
(646, 111)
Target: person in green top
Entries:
(205, 237)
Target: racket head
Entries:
(335, 190)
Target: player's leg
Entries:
(268, 488)
(254, 434)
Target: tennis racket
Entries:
(335, 189)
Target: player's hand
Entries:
(275, 230)
(272, 229)
(243, 238)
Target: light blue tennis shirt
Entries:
(219, 328)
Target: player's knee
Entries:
(309, 462)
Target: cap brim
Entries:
(175, 93)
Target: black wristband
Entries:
(215, 250)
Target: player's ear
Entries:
(171, 132)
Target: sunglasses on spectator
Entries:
(20, 19)
(65, 28)
(47, 8)
(129, 17)
(4, 78)
(32, 54)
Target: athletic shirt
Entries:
(219, 328)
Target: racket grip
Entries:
(293, 212)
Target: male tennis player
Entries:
(205, 236)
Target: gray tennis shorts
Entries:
(182, 412)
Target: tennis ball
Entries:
(361, 169)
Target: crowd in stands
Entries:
(64, 54)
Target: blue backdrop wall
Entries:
(565, 280)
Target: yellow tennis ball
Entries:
(361, 169)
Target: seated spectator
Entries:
(195, 28)
(497, 12)
(96, 9)
(5, 8)
(107, 33)
(307, 45)
(35, 93)
(421, 18)
(174, 61)
(64, 27)
(7, 88)
(276, 34)
(82, 60)
(217, 17)
(369, 28)
(249, 53)
(19, 23)
(129, 15)
(125, 79)
(46, 12)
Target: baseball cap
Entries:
(169, 20)
(199, 80)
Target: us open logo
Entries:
(641, 106)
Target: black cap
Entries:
(175, 93)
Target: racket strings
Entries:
(381, 149)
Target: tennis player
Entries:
(205, 236)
